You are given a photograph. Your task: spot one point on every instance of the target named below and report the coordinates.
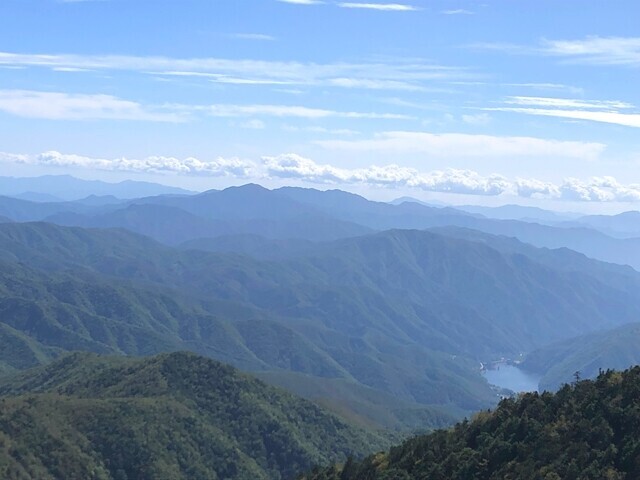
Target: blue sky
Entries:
(489, 102)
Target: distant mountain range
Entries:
(296, 213)
(393, 322)
(624, 225)
(57, 188)
(519, 212)
(304, 214)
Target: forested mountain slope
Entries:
(588, 431)
(587, 355)
(404, 315)
(176, 416)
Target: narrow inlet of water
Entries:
(512, 378)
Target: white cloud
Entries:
(14, 158)
(292, 166)
(295, 167)
(599, 189)
(458, 11)
(533, 188)
(469, 182)
(395, 7)
(189, 166)
(467, 145)
(292, 111)
(65, 106)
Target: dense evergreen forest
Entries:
(585, 431)
(174, 416)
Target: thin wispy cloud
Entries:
(389, 7)
(294, 111)
(68, 106)
(303, 2)
(80, 1)
(593, 50)
(261, 37)
(603, 111)
(458, 11)
(452, 145)
(65, 106)
(624, 119)
(318, 129)
(221, 78)
(597, 50)
(396, 74)
(547, 86)
(568, 103)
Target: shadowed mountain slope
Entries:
(587, 354)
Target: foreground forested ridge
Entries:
(586, 431)
(174, 416)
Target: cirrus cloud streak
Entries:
(391, 74)
(68, 106)
(467, 145)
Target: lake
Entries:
(511, 377)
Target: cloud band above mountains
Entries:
(298, 168)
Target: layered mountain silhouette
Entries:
(313, 215)
(66, 188)
(404, 314)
